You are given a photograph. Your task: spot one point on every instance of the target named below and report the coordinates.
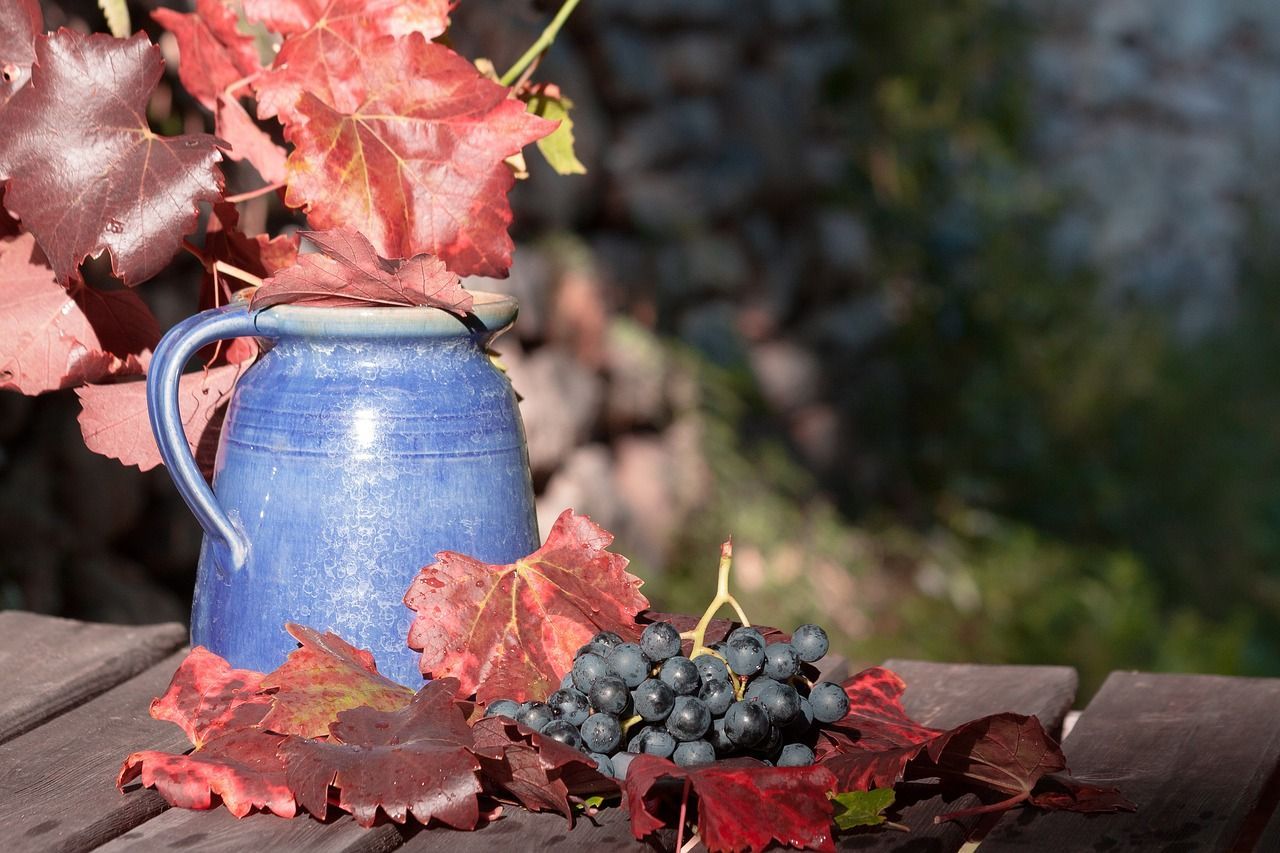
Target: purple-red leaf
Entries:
(54, 337)
(113, 418)
(537, 771)
(511, 631)
(348, 271)
(85, 173)
(20, 23)
(416, 760)
(322, 678)
(742, 805)
(415, 159)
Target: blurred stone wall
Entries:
(710, 218)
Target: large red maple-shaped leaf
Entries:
(207, 697)
(20, 23)
(511, 631)
(85, 172)
(417, 165)
(742, 805)
(212, 52)
(348, 271)
(322, 678)
(52, 337)
(416, 760)
(326, 43)
(113, 418)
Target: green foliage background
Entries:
(1061, 478)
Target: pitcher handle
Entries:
(171, 356)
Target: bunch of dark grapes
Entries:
(750, 698)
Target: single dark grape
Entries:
(711, 668)
(689, 718)
(660, 641)
(563, 731)
(717, 696)
(610, 695)
(799, 727)
(653, 741)
(601, 733)
(680, 675)
(795, 755)
(781, 701)
(780, 661)
(603, 764)
(757, 686)
(770, 743)
(570, 705)
(608, 639)
(587, 669)
(746, 723)
(694, 752)
(620, 762)
(744, 650)
(653, 700)
(535, 715)
(718, 739)
(810, 643)
(592, 649)
(503, 708)
(628, 662)
(828, 701)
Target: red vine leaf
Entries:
(416, 760)
(207, 698)
(346, 270)
(212, 52)
(1063, 793)
(52, 337)
(511, 631)
(248, 141)
(417, 162)
(109, 183)
(113, 418)
(240, 766)
(535, 770)
(742, 805)
(20, 23)
(325, 676)
(327, 43)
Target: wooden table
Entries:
(1200, 755)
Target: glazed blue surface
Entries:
(359, 444)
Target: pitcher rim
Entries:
(491, 314)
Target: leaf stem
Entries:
(235, 272)
(231, 90)
(684, 809)
(544, 41)
(1003, 805)
(252, 194)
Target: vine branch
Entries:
(544, 41)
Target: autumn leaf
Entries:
(537, 771)
(207, 698)
(546, 100)
(511, 631)
(109, 183)
(20, 22)
(113, 418)
(1063, 793)
(416, 162)
(327, 43)
(416, 760)
(212, 52)
(347, 271)
(741, 805)
(53, 337)
(249, 142)
(322, 678)
(862, 808)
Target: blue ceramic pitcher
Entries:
(360, 443)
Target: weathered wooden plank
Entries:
(48, 665)
(1197, 754)
(944, 696)
(218, 831)
(57, 782)
(522, 830)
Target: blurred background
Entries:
(959, 315)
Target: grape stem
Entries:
(723, 597)
(629, 722)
